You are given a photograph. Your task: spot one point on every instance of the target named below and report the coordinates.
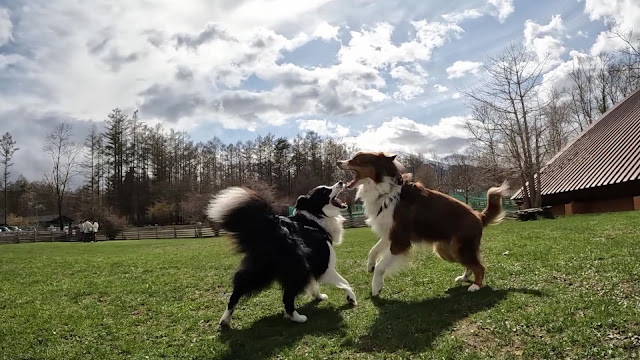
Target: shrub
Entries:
(112, 224)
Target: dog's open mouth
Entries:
(355, 180)
(338, 203)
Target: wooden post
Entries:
(175, 233)
(51, 236)
(568, 208)
(156, 232)
(138, 234)
(636, 203)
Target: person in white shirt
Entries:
(94, 228)
(88, 230)
(81, 235)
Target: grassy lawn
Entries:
(566, 289)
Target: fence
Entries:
(480, 202)
(31, 236)
(133, 233)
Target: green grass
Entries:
(568, 289)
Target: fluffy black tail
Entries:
(250, 218)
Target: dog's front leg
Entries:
(375, 252)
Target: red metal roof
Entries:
(605, 153)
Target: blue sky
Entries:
(382, 75)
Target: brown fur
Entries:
(424, 215)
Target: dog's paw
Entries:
(352, 300)
(225, 320)
(371, 268)
(295, 317)
(321, 297)
(473, 288)
(224, 325)
(461, 279)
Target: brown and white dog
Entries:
(403, 213)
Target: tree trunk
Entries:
(5, 197)
(60, 214)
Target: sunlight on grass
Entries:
(566, 289)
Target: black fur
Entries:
(290, 250)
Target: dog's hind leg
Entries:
(375, 252)
(289, 299)
(314, 290)
(478, 276)
(466, 277)
(469, 256)
(225, 320)
(245, 282)
(332, 277)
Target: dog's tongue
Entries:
(353, 182)
(338, 203)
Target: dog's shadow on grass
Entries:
(272, 334)
(414, 326)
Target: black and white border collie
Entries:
(296, 251)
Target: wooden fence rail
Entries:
(132, 233)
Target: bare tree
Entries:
(583, 93)
(631, 41)
(7, 149)
(439, 168)
(93, 145)
(556, 116)
(63, 152)
(462, 175)
(508, 105)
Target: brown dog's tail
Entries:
(493, 213)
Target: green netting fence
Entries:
(477, 202)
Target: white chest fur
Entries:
(375, 196)
(333, 225)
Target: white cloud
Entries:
(548, 48)
(461, 67)
(623, 14)
(410, 83)
(324, 128)
(457, 17)
(533, 30)
(440, 88)
(405, 135)
(538, 38)
(5, 26)
(606, 42)
(407, 92)
(326, 31)
(583, 34)
(373, 47)
(503, 8)
(401, 73)
(456, 95)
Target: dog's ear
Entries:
(302, 202)
(387, 156)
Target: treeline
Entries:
(520, 122)
(154, 175)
